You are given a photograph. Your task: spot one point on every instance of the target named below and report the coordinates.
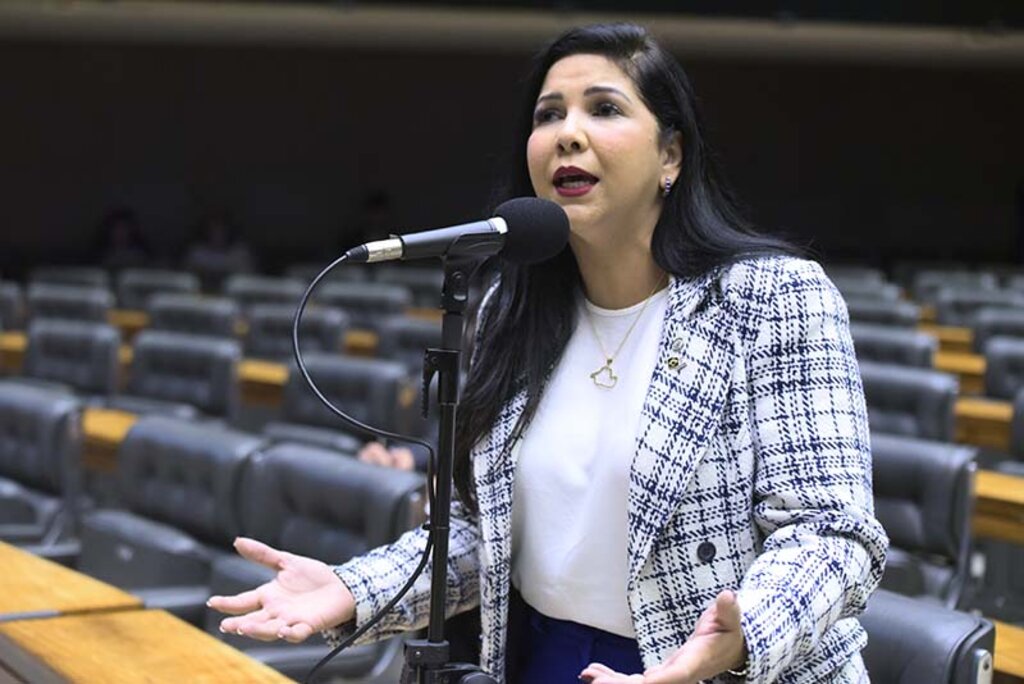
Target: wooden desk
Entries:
(969, 368)
(1009, 655)
(12, 350)
(129, 321)
(999, 506)
(103, 431)
(34, 587)
(124, 648)
(262, 381)
(951, 339)
(983, 422)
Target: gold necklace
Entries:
(604, 377)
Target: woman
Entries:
(663, 460)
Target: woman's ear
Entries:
(672, 154)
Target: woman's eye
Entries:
(544, 115)
(607, 109)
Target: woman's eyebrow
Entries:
(592, 90)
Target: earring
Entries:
(668, 186)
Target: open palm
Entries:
(716, 645)
(304, 597)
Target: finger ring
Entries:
(239, 632)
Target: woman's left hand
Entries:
(715, 646)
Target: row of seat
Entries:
(134, 287)
(186, 490)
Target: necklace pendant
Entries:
(604, 377)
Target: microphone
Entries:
(525, 230)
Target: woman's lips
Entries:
(574, 190)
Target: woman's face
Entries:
(595, 150)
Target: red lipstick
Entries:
(572, 181)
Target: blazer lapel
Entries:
(680, 413)
(494, 468)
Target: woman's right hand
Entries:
(304, 598)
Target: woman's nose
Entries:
(571, 137)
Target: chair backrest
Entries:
(914, 402)
(135, 286)
(868, 289)
(992, 322)
(366, 303)
(201, 371)
(884, 312)
(924, 498)
(850, 272)
(80, 276)
(209, 316)
(314, 501)
(405, 339)
(270, 330)
(40, 438)
(349, 272)
(424, 283)
(370, 390)
(912, 641)
(892, 344)
(81, 354)
(185, 474)
(248, 290)
(927, 284)
(960, 307)
(11, 306)
(1004, 367)
(69, 302)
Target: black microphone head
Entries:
(538, 229)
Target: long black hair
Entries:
(532, 313)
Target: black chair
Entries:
(960, 307)
(315, 502)
(891, 344)
(135, 286)
(924, 500)
(912, 641)
(867, 289)
(40, 464)
(914, 402)
(182, 375)
(74, 356)
(370, 390)
(927, 284)
(208, 316)
(989, 323)
(248, 290)
(11, 306)
(883, 312)
(177, 484)
(77, 276)
(405, 339)
(270, 330)
(851, 272)
(424, 283)
(367, 304)
(1004, 367)
(69, 302)
(349, 272)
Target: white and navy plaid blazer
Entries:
(752, 472)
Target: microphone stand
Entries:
(427, 659)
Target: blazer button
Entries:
(706, 552)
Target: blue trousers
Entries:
(556, 651)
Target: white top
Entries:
(569, 516)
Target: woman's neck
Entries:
(616, 279)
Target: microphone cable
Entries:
(376, 432)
